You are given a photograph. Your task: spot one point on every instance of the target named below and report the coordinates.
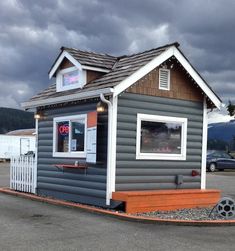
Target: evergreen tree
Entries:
(231, 108)
(13, 119)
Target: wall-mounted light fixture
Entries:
(100, 107)
(37, 116)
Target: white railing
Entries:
(23, 174)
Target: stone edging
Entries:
(122, 216)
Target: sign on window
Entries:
(91, 137)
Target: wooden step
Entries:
(164, 200)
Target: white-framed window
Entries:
(69, 136)
(70, 78)
(164, 79)
(161, 137)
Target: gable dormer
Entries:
(70, 76)
(73, 69)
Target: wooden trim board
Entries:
(164, 200)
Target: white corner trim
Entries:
(114, 143)
(63, 55)
(66, 98)
(36, 155)
(161, 156)
(143, 71)
(111, 151)
(204, 146)
(109, 148)
(197, 78)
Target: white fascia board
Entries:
(172, 51)
(197, 78)
(66, 98)
(64, 54)
(92, 68)
(126, 83)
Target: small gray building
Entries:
(117, 124)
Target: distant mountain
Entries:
(221, 136)
(13, 119)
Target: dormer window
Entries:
(70, 78)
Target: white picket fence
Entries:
(23, 174)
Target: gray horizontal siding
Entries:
(67, 183)
(132, 174)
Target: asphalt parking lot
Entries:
(31, 225)
(4, 174)
(225, 181)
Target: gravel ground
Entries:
(187, 214)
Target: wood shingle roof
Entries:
(119, 69)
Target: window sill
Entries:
(79, 166)
(69, 155)
(160, 157)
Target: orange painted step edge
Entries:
(126, 194)
(163, 198)
(169, 198)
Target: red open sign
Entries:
(64, 129)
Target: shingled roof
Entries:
(91, 58)
(120, 68)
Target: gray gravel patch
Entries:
(196, 214)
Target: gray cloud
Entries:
(32, 32)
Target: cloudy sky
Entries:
(32, 32)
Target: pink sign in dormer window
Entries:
(71, 78)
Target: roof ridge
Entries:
(143, 52)
(86, 51)
(153, 49)
(122, 56)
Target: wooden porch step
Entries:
(164, 200)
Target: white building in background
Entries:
(16, 143)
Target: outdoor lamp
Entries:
(37, 116)
(100, 107)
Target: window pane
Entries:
(159, 137)
(78, 135)
(70, 78)
(63, 136)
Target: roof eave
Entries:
(75, 62)
(66, 98)
(198, 79)
(158, 60)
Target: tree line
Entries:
(13, 119)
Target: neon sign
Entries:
(63, 129)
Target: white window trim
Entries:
(168, 82)
(69, 153)
(59, 79)
(161, 156)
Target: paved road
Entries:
(225, 181)
(31, 225)
(4, 174)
